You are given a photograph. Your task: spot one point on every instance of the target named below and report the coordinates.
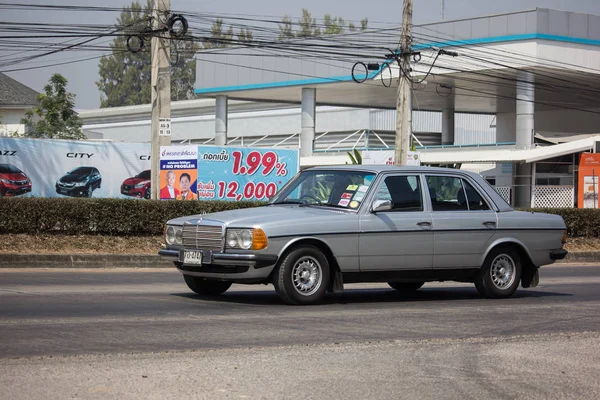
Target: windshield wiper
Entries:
(288, 201)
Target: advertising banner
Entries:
(178, 172)
(59, 168)
(242, 173)
(386, 157)
(589, 168)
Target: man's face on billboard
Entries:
(184, 182)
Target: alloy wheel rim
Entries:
(307, 275)
(503, 271)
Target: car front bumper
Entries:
(15, 190)
(75, 191)
(225, 266)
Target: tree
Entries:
(125, 76)
(54, 117)
(308, 27)
(221, 39)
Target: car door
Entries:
(463, 222)
(400, 238)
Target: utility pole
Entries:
(161, 89)
(442, 9)
(404, 100)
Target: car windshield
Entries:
(81, 171)
(143, 175)
(9, 169)
(334, 188)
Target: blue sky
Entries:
(82, 75)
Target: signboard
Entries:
(164, 127)
(178, 172)
(386, 157)
(242, 173)
(589, 169)
(72, 168)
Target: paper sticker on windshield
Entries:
(354, 204)
(344, 202)
(352, 188)
(347, 196)
(362, 188)
(359, 196)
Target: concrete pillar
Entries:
(307, 135)
(448, 126)
(524, 130)
(221, 121)
(525, 110)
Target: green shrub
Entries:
(100, 216)
(581, 222)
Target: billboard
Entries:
(242, 173)
(386, 157)
(589, 169)
(178, 172)
(59, 168)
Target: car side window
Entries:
(446, 193)
(403, 191)
(475, 201)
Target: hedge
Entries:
(147, 217)
(100, 216)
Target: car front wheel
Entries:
(206, 287)
(90, 190)
(500, 274)
(302, 276)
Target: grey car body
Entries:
(481, 240)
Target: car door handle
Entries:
(490, 224)
(424, 223)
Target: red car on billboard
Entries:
(137, 186)
(13, 181)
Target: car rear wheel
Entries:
(406, 287)
(302, 276)
(206, 287)
(500, 274)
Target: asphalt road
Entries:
(141, 333)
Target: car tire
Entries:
(406, 287)
(302, 276)
(147, 194)
(206, 287)
(89, 191)
(500, 274)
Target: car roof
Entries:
(386, 168)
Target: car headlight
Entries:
(246, 239)
(174, 235)
(140, 185)
(5, 180)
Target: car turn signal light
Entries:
(259, 239)
(564, 237)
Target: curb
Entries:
(154, 261)
(83, 261)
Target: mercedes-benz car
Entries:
(137, 186)
(13, 181)
(331, 226)
(79, 182)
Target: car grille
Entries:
(20, 182)
(204, 237)
(127, 187)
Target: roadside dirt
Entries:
(85, 244)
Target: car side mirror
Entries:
(381, 205)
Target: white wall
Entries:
(11, 121)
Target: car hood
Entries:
(134, 181)
(73, 178)
(16, 176)
(277, 218)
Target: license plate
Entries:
(192, 257)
